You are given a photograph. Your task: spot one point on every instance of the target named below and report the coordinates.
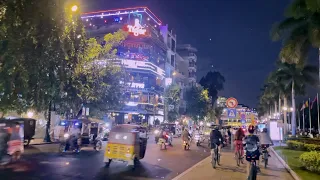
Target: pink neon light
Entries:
(123, 9)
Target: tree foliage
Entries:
(213, 82)
(172, 97)
(197, 100)
(45, 57)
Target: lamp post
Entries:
(74, 8)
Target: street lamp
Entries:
(285, 108)
(74, 8)
(30, 114)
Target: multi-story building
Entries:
(147, 55)
(188, 53)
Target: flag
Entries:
(315, 100)
(305, 105)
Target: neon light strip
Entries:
(134, 9)
(160, 71)
(153, 14)
(153, 19)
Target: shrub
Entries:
(296, 145)
(311, 161)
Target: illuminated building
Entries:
(147, 56)
(188, 53)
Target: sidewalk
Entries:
(39, 141)
(230, 171)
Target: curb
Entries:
(43, 143)
(293, 174)
(190, 169)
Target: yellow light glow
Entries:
(74, 8)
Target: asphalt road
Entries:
(43, 162)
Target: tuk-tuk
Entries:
(127, 143)
(90, 133)
(11, 141)
(29, 128)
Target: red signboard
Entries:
(232, 102)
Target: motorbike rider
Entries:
(74, 136)
(251, 142)
(265, 139)
(216, 138)
(186, 135)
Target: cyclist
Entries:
(252, 149)
(239, 135)
(215, 138)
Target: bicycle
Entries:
(253, 168)
(215, 156)
(239, 158)
(265, 155)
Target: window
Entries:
(172, 60)
(173, 45)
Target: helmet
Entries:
(265, 130)
(251, 129)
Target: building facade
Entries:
(188, 53)
(147, 57)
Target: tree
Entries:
(299, 31)
(95, 82)
(172, 97)
(296, 77)
(213, 82)
(197, 100)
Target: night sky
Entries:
(240, 46)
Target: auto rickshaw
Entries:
(90, 134)
(11, 141)
(29, 127)
(127, 143)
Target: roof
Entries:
(125, 128)
(122, 11)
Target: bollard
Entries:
(232, 137)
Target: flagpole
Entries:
(302, 119)
(309, 116)
(299, 123)
(318, 113)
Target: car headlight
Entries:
(156, 131)
(66, 135)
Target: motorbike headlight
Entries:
(156, 131)
(66, 135)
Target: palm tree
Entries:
(277, 85)
(299, 31)
(296, 77)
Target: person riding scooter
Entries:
(186, 136)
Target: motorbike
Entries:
(67, 145)
(156, 135)
(162, 144)
(186, 145)
(170, 139)
(197, 138)
(265, 155)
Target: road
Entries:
(43, 162)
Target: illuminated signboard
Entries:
(136, 29)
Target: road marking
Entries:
(190, 169)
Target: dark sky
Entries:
(240, 46)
